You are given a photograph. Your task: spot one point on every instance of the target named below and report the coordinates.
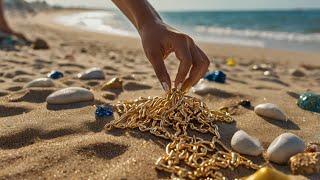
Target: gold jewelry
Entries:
(172, 117)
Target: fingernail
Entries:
(165, 86)
(179, 86)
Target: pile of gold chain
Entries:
(172, 117)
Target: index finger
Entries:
(160, 70)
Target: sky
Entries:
(202, 4)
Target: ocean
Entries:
(293, 30)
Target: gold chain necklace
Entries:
(172, 117)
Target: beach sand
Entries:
(38, 140)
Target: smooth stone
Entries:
(202, 88)
(216, 76)
(103, 111)
(269, 73)
(134, 86)
(70, 95)
(40, 82)
(40, 44)
(109, 96)
(231, 62)
(270, 111)
(309, 101)
(243, 143)
(93, 73)
(55, 74)
(284, 147)
(296, 72)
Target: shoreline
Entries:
(273, 42)
(219, 49)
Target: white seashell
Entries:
(270, 111)
(70, 95)
(243, 143)
(284, 147)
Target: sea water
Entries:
(295, 30)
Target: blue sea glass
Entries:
(216, 76)
(55, 75)
(309, 101)
(103, 111)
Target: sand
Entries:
(39, 140)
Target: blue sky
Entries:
(203, 4)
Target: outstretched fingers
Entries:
(160, 69)
(200, 64)
(184, 55)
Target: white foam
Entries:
(111, 22)
(93, 21)
(280, 36)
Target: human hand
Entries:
(159, 40)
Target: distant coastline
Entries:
(248, 28)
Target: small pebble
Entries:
(283, 147)
(40, 82)
(245, 103)
(270, 73)
(93, 73)
(70, 95)
(115, 83)
(309, 101)
(243, 143)
(202, 88)
(216, 76)
(231, 62)
(109, 96)
(271, 111)
(262, 67)
(55, 74)
(40, 44)
(296, 72)
(103, 111)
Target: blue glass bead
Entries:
(309, 101)
(103, 111)
(55, 75)
(216, 76)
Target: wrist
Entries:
(152, 22)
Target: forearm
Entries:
(139, 12)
